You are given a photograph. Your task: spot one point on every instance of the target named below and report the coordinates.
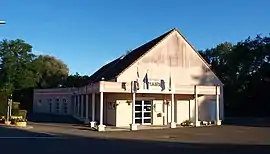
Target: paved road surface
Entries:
(13, 141)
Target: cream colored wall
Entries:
(110, 109)
(158, 112)
(44, 95)
(124, 109)
(207, 108)
(176, 57)
(161, 112)
(185, 109)
(123, 112)
(173, 55)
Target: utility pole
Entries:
(9, 107)
(9, 103)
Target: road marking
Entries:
(36, 137)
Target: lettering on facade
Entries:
(154, 84)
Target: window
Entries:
(50, 107)
(57, 107)
(39, 102)
(65, 108)
(64, 100)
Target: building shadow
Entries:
(247, 121)
(207, 78)
(49, 118)
(22, 141)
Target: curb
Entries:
(12, 126)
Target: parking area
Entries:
(74, 138)
(227, 134)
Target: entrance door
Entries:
(143, 110)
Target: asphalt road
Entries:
(22, 141)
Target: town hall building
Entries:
(162, 82)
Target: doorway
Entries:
(143, 112)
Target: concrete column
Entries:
(218, 122)
(133, 126)
(101, 127)
(82, 106)
(172, 124)
(86, 109)
(74, 105)
(78, 105)
(197, 123)
(92, 123)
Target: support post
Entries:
(197, 123)
(92, 123)
(101, 127)
(86, 109)
(133, 126)
(78, 105)
(8, 118)
(172, 124)
(218, 122)
(74, 105)
(82, 106)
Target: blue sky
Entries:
(86, 34)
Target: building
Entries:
(162, 82)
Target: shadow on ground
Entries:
(49, 118)
(50, 144)
(248, 121)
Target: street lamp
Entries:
(9, 107)
(2, 22)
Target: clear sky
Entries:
(86, 34)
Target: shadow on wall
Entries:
(207, 103)
(49, 118)
(78, 144)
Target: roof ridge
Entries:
(118, 65)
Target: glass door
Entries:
(143, 110)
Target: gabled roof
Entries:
(113, 69)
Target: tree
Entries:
(16, 67)
(76, 80)
(17, 71)
(244, 68)
(51, 71)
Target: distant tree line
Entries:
(21, 71)
(244, 68)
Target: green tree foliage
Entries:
(16, 67)
(21, 71)
(244, 68)
(51, 71)
(76, 80)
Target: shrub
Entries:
(23, 113)
(2, 119)
(15, 112)
(15, 105)
(186, 123)
(14, 120)
(20, 120)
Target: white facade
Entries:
(53, 101)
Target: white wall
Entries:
(43, 98)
